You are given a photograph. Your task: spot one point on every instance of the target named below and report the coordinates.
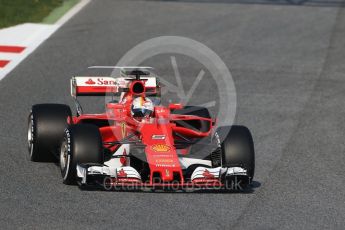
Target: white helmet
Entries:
(142, 107)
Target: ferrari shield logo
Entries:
(123, 129)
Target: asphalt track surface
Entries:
(287, 62)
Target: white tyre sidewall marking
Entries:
(68, 154)
(31, 134)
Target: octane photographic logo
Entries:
(190, 73)
(234, 185)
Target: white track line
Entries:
(35, 39)
(72, 12)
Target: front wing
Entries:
(127, 178)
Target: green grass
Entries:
(59, 11)
(13, 12)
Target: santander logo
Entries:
(90, 82)
(207, 174)
(121, 173)
(101, 81)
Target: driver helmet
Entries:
(142, 107)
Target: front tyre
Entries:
(82, 143)
(237, 148)
(46, 124)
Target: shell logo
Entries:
(160, 148)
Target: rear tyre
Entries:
(46, 124)
(237, 148)
(82, 143)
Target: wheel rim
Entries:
(30, 135)
(63, 155)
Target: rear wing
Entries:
(92, 86)
(103, 85)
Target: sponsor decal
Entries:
(162, 155)
(165, 165)
(128, 180)
(90, 82)
(160, 110)
(208, 175)
(101, 81)
(123, 129)
(161, 148)
(164, 161)
(121, 173)
(121, 83)
(158, 137)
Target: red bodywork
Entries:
(161, 153)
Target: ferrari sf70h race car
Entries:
(137, 143)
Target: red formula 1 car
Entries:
(138, 143)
